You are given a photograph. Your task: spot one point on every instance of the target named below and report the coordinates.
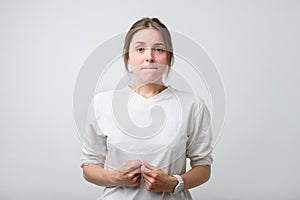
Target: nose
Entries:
(149, 55)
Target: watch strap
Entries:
(180, 185)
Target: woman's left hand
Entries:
(157, 180)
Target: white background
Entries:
(254, 45)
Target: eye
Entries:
(159, 50)
(140, 49)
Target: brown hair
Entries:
(145, 23)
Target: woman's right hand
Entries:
(128, 175)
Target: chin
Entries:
(156, 80)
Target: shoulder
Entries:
(102, 96)
(106, 97)
(188, 97)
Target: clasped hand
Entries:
(134, 171)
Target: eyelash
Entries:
(159, 50)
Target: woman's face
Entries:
(148, 56)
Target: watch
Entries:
(180, 185)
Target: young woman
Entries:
(135, 160)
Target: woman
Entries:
(135, 160)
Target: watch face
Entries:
(178, 188)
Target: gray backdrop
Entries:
(254, 45)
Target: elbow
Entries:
(207, 173)
(85, 173)
(204, 173)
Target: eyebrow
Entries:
(158, 43)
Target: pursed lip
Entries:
(148, 67)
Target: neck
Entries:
(149, 89)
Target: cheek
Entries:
(162, 59)
(133, 59)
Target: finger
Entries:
(149, 183)
(133, 175)
(135, 163)
(147, 165)
(135, 179)
(145, 170)
(136, 171)
(131, 165)
(147, 178)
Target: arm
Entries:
(96, 174)
(199, 149)
(195, 176)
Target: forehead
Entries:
(148, 36)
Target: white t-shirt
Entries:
(163, 130)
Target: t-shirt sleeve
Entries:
(199, 145)
(94, 140)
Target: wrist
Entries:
(113, 178)
(180, 184)
(173, 182)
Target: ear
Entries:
(128, 60)
(129, 68)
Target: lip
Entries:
(148, 67)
